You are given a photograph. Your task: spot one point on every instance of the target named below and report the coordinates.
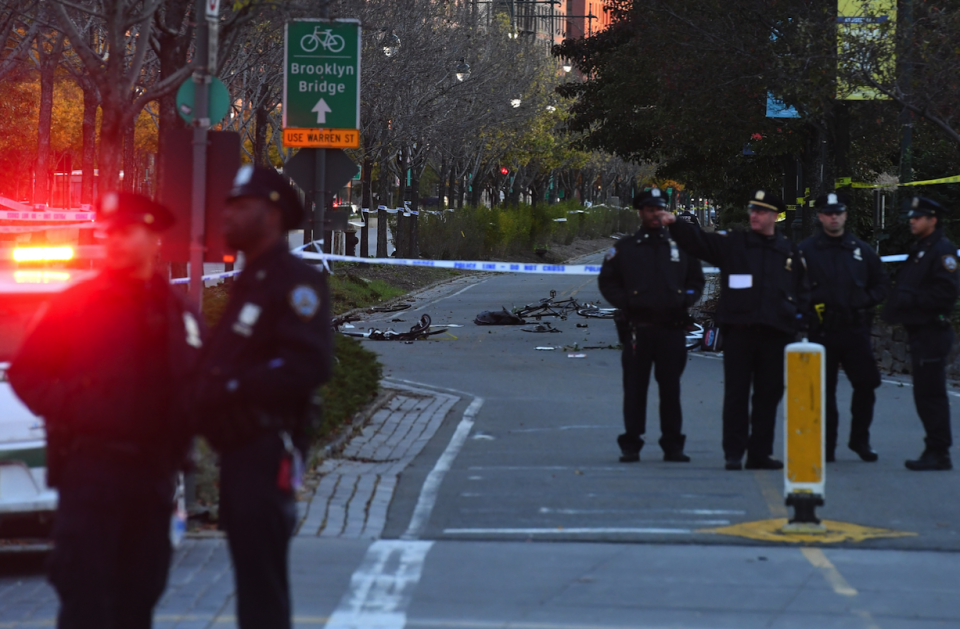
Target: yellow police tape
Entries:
(928, 182)
(836, 532)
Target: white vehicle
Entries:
(24, 495)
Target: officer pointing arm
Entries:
(762, 300)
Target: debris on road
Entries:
(390, 308)
(542, 328)
(419, 331)
(502, 317)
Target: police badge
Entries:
(304, 301)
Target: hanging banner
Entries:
(866, 36)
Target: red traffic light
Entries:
(504, 170)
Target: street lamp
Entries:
(463, 70)
(567, 65)
(390, 44)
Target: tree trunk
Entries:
(48, 66)
(129, 159)
(172, 55)
(381, 214)
(413, 244)
(91, 102)
(366, 199)
(261, 121)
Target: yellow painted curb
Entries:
(772, 531)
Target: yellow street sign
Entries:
(322, 138)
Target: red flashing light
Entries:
(504, 170)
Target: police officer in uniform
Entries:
(847, 281)
(689, 217)
(922, 301)
(762, 301)
(106, 367)
(653, 283)
(259, 374)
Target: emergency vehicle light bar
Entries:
(42, 254)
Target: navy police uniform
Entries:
(260, 371)
(847, 282)
(922, 301)
(653, 283)
(762, 300)
(689, 217)
(106, 367)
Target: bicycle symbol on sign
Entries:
(326, 39)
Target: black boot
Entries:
(673, 450)
(630, 447)
(733, 465)
(763, 463)
(864, 451)
(931, 461)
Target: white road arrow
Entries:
(322, 109)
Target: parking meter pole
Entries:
(804, 430)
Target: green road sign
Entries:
(219, 100)
(321, 80)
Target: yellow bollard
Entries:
(804, 432)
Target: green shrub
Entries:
(473, 233)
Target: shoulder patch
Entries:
(610, 253)
(950, 263)
(304, 301)
(192, 329)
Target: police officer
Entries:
(689, 217)
(653, 283)
(259, 374)
(762, 301)
(922, 301)
(847, 281)
(106, 367)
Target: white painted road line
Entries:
(462, 290)
(570, 531)
(431, 486)
(382, 587)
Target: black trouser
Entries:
(259, 518)
(851, 348)
(111, 539)
(664, 350)
(929, 349)
(751, 355)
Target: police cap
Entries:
(830, 203)
(763, 200)
(268, 184)
(922, 206)
(653, 197)
(116, 209)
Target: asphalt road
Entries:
(541, 462)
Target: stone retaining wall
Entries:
(893, 353)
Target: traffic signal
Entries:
(504, 170)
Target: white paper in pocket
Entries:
(741, 281)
